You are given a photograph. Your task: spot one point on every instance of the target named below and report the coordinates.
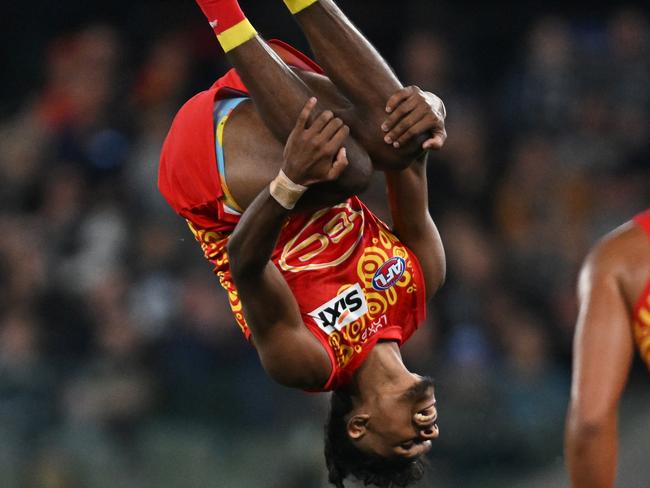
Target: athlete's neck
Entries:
(382, 371)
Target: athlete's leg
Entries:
(278, 93)
(357, 70)
(253, 157)
(347, 57)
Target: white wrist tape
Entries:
(286, 192)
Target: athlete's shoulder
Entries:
(642, 219)
(623, 256)
(614, 250)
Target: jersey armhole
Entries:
(222, 110)
(643, 220)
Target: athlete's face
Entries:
(400, 423)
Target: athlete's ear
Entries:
(357, 426)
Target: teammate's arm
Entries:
(603, 351)
(289, 353)
(414, 112)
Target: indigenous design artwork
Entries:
(349, 340)
(329, 239)
(214, 249)
(642, 330)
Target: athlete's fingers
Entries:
(330, 129)
(399, 97)
(427, 123)
(303, 117)
(404, 125)
(412, 131)
(436, 142)
(320, 122)
(402, 110)
(336, 141)
(339, 165)
(438, 134)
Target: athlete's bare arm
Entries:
(408, 192)
(611, 279)
(289, 353)
(412, 223)
(364, 77)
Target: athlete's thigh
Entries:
(253, 156)
(330, 97)
(365, 124)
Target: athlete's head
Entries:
(381, 440)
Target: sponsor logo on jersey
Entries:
(341, 310)
(389, 273)
(374, 327)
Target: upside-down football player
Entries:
(264, 166)
(614, 293)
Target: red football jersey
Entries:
(354, 281)
(641, 314)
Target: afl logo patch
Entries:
(389, 273)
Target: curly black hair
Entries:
(343, 458)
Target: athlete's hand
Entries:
(413, 112)
(314, 152)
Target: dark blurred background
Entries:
(120, 364)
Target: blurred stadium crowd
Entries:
(119, 362)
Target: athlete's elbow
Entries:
(283, 377)
(584, 424)
(584, 430)
(293, 372)
(242, 265)
(237, 267)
